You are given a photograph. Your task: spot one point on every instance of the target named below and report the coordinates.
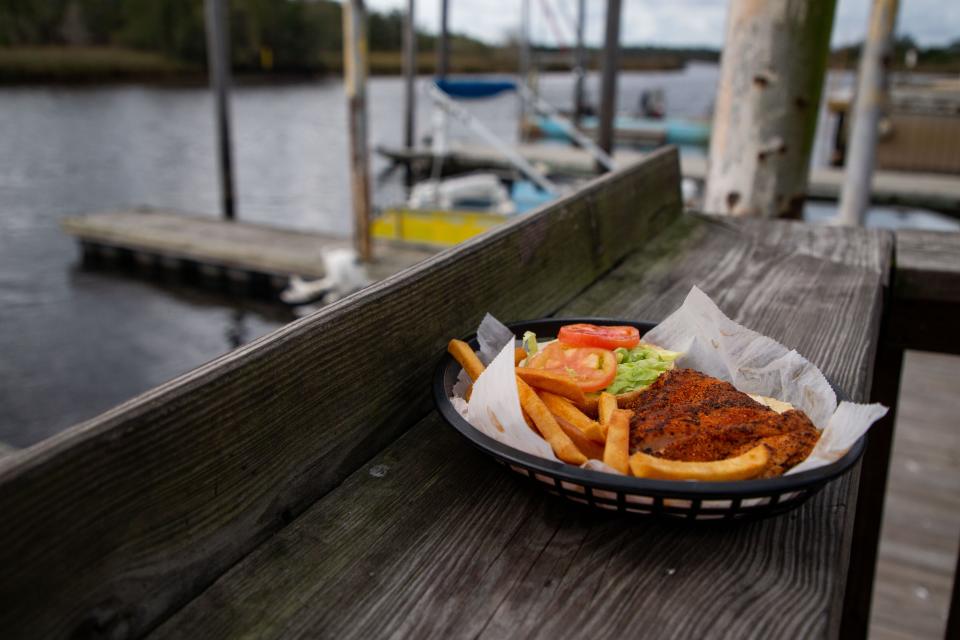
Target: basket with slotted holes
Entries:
(744, 499)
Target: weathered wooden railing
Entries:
(116, 523)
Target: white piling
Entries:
(867, 108)
(768, 98)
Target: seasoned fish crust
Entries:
(686, 415)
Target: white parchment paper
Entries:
(712, 343)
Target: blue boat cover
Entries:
(477, 88)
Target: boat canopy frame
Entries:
(444, 91)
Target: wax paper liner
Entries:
(712, 343)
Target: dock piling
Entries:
(868, 105)
(579, 64)
(355, 85)
(523, 69)
(409, 82)
(409, 76)
(218, 62)
(443, 42)
(608, 83)
(771, 78)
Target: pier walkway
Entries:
(931, 191)
(257, 257)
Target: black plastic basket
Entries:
(745, 499)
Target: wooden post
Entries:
(608, 83)
(218, 64)
(409, 77)
(867, 107)
(524, 68)
(579, 64)
(355, 83)
(443, 41)
(771, 78)
(409, 84)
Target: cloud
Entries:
(656, 22)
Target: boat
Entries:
(632, 130)
(448, 211)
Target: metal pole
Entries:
(768, 99)
(608, 83)
(579, 63)
(218, 63)
(409, 77)
(543, 107)
(457, 111)
(524, 67)
(355, 82)
(443, 43)
(867, 108)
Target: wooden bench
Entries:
(302, 485)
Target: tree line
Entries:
(283, 35)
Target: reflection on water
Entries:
(238, 332)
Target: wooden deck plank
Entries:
(433, 540)
(928, 265)
(939, 192)
(921, 522)
(115, 523)
(231, 245)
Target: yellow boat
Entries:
(433, 227)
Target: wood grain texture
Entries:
(928, 266)
(431, 539)
(116, 522)
(921, 516)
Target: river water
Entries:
(75, 342)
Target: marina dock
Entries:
(939, 192)
(253, 257)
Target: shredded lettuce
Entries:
(640, 366)
(530, 342)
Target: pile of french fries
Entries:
(555, 407)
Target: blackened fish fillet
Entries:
(686, 415)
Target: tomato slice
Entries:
(590, 335)
(593, 369)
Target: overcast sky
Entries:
(666, 22)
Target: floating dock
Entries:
(939, 192)
(240, 256)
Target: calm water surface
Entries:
(74, 342)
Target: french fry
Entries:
(529, 421)
(616, 453)
(556, 383)
(547, 425)
(586, 446)
(744, 467)
(518, 356)
(590, 406)
(565, 411)
(463, 353)
(605, 408)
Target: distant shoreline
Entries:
(82, 66)
(107, 65)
